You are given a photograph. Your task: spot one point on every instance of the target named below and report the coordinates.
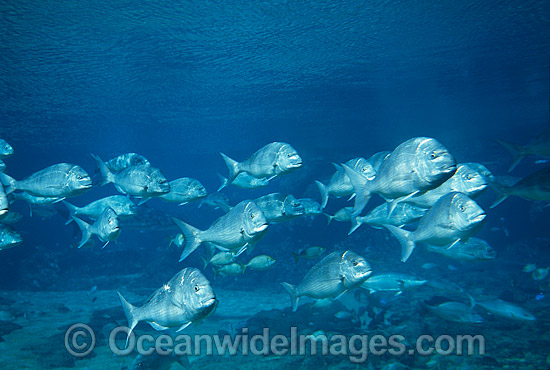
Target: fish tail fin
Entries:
(191, 237)
(355, 223)
(10, 184)
(329, 218)
(224, 182)
(85, 228)
(324, 193)
(515, 150)
(501, 191)
(360, 185)
(404, 238)
(291, 290)
(131, 315)
(72, 211)
(106, 174)
(232, 166)
(206, 262)
(296, 257)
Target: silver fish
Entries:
(452, 218)
(260, 263)
(9, 237)
(142, 180)
(157, 361)
(311, 207)
(393, 282)
(123, 161)
(415, 166)
(59, 180)
(341, 215)
(536, 187)
(465, 180)
(178, 240)
(231, 269)
(505, 309)
(186, 298)
(271, 161)
(455, 312)
(220, 259)
(5, 149)
(122, 206)
(340, 184)
(184, 190)
(540, 145)
(473, 249)
(4, 204)
(242, 226)
(335, 274)
(403, 214)
(106, 227)
(244, 180)
(309, 253)
(278, 207)
(482, 170)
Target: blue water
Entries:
(179, 82)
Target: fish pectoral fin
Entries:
(183, 326)
(157, 326)
(398, 293)
(184, 203)
(453, 244)
(240, 251)
(341, 294)
(271, 178)
(104, 245)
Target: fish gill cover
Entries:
(156, 91)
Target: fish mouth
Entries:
(479, 217)
(262, 227)
(3, 212)
(210, 302)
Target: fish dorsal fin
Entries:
(157, 326)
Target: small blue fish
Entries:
(539, 296)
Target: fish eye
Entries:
(355, 263)
(462, 208)
(468, 177)
(197, 288)
(433, 155)
(252, 215)
(79, 177)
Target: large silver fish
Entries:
(141, 181)
(453, 218)
(415, 166)
(455, 312)
(403, 214)
(186, 298)
(244, 180)
(392, 282)
(465, 180)
(59, 180)
(184, 190)
(34, 199)
(540, 145)
(536, 187)
(505, 309)
(340, 184)
(122, 206)
(106, 227)
(278, 207)
(5, 149)
(272, 160)
(331, 277)
(239, 228)
(473, 249)
(9, 237)
(123, 161)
